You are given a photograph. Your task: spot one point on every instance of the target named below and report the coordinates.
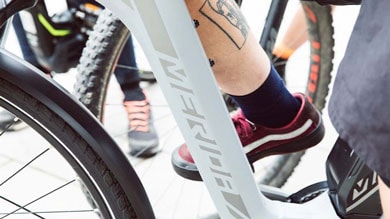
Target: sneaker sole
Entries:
(182, 169)
(145, 153)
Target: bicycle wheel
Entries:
(50, 170)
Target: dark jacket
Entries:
(360, 103)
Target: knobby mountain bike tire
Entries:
(320, 32)
(55, 172)
(109, 36)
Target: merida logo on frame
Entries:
(178, 86)
(196, 122)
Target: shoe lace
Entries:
(243, 126)
(138, 114)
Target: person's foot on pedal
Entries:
(142, 137)
(9, 122)
(304, 131)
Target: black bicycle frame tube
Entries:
(52, 95)
(271, 28)
(8, 9)
(11, 8)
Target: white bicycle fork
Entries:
(168, 37)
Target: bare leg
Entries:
(384, 192)
(241, 65)
(294, 36)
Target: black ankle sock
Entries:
(271, 105)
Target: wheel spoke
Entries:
(39, 198)
(24, 166)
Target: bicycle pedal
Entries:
(308, 193)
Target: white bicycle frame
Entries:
(168, 37)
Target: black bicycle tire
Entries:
(320, 29)
(92, 81)
(90, 167)
(98, 60)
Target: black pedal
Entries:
(308, 193)
(353, 187)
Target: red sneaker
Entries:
(304, 131)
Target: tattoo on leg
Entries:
(226, 14)
(196, 23)
(212, 62)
